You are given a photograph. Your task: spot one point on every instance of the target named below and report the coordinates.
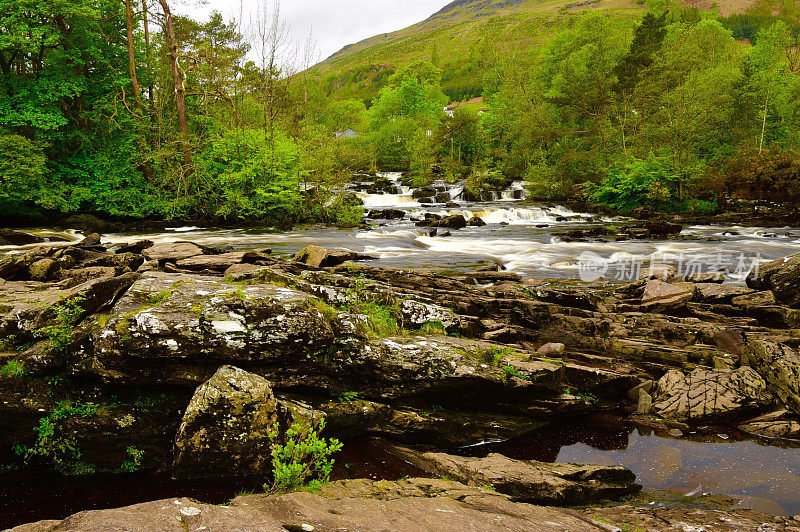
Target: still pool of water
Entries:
(765, 475)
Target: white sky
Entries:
(335, 23)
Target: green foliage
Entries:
(383, 315)
(67, 312)
(133, 462)
(650, 182)
(301, 460)
(347, 397)
(433, 327)
(13, 368)
(514, 372)
(494, 355)
(254, 179)
(54, 443)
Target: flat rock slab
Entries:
(709, 394)
(172, 251)
(413, 505)
(665, 294)
(527, 480)
(219, 262)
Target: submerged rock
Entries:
(527, 480)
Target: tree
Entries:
(770, 74)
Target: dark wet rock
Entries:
(89, 224)
(136, 247)
(494, 276)
(782, 276)
(225, 429)
(91, 241)
(475, 221)
(778, 424)
(386, 214)
(710, 394)
(438, 426)
(171, 251)
(731, 341)
(443, 197)
(424, 192)
(586, 234)
(320, 257)
(779, 364)
(662, 229)
(9, 237)
(456, 221)
(527, 480)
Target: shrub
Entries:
(13, 368)
(67, 314)
(648, 182)
(54, 444)
(302, 461)
(133, 462)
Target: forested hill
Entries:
(467, 37)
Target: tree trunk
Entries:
(146, 24)
(137, 96)
(180, 90)
(763, 124)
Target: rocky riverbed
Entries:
(176, 358)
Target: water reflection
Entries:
(766, 477)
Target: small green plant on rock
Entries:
(348, 397)
(494, 355)
(433, 327)
(134, 460)
(67, 314)
(13, 368)
(53, 443)
(514, 372)
(300, 459)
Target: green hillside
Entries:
(467, 37)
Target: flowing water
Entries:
(520, 236)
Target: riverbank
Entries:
(108, 343)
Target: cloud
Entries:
(333, 23)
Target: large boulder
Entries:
(527, 480)
(320, 257)
(226, 427)
(180, 327)
(779, 364)
(708, 394)
(782, 276)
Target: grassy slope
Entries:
(466, 40)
